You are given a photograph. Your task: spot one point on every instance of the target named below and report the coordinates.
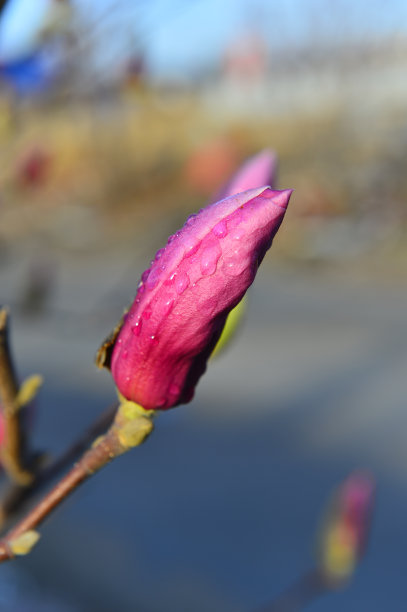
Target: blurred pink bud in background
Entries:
(346, 528)
(261, 169)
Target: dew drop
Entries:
(145, 274)
(153, 339)
(159, 254)
(233, 267)
(191, 219)
(230, 266)
(153, 277)
(136, 329)
(191, 247)
(238, 234)
(173, 237)
(209, 259)
(181, 282)
(220, 230)
(167, 307)
(147, 313)
(125, 354)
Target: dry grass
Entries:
(120, 172)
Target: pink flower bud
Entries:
(185, 296)
(261, 169)
(346, 526)
(355, 501)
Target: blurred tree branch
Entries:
(298, 595)
(15, 497)
(126, 432)
(26, 469)
(14, 447)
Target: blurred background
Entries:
(117, 120)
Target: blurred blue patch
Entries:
(30, 75)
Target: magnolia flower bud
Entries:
(346, 527)
(184, 298)
(261, 169)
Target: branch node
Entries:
(24, 543)
(28, 390)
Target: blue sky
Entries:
(179, 35)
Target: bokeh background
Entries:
(117, 120)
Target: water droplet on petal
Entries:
(181, 282)
(125, 354)
(167, 306)
(209, 259)
(153, 339)
(147, 313)
(153, 277)
(191, 246)
(145, 274)
(136, 329)
(229, 267)
(220, 230)
(191, 219)
(238, 234)
(172, 237)
(159, 254)
(233, 267)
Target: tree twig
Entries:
(16, 496)
(123, 434)
(14, 448)
(309, 586)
